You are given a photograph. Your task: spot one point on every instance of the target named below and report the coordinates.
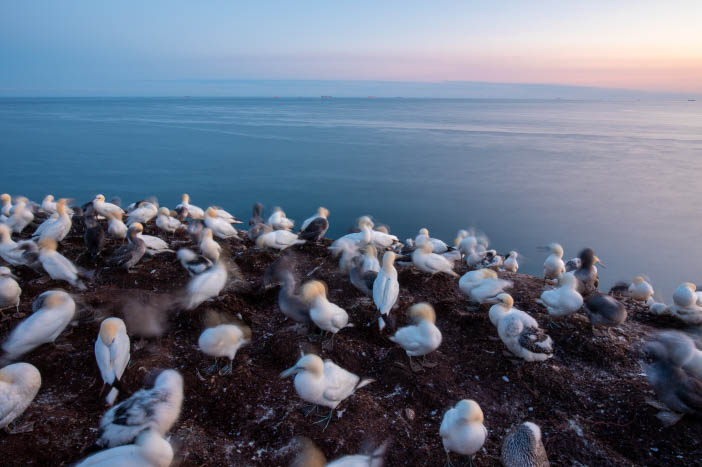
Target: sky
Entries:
(81, 47)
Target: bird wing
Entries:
(119, 354)
(57, 264)
(409, 338)
(339, 383)
(438, 263)
(314, 229)
(385, 292)
(8, 400)
(102, 356)
(121, 455)
(511, 326)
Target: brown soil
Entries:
(590, 399)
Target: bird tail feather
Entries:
(112, 396)
(364, 382)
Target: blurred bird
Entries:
(194, 212)
(325, 314)
(127, 256)
(386, 288)
(685, 304)
(423, 237)
(462, 430)
(112, 354)
(115, 227)
(19, 384)
(523, 447)
(224, 340)
(57, 266)
(192, 262)
(278, 239)
(256, 216)
(145, 211)
(426, 261)
(640, 290)
(150, 449)
(21, 215)
(519, 331)
(563, 301)
(279, 221)
(482, 284)
(56, 228)
(311, 456)
(420, 338)
(10, 290)
(604, 310)
(209, 247)
(554, 266)
(205, 286)
(94, 236)
(106, 209)
(314, 228)
(220, 227)
(165, 222)
(322, 213)
(511, 263)
(587, 272)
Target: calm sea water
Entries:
(622, 177)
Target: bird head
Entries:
(5, 272)
(164, 211)
(503, 299)
(100, 198)
(54, 299)
(49, 198)
(513, 254)
(424, 231)
(638, 280)
(109, 329)
(365, 221)
(488, 274)
(136, 227)
(322, 211)
(469, 411)
(186, 198)
(5, 198)
(309, 362)
(312, 290)
(421, 312)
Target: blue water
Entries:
(622, 177)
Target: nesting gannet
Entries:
(145, 211)
(279, 221)
(465, 242)
(205, 286)
(563, 301)
(219, 227)
(19, 384)
(94, 236)
(112, 354)
(323, 382)
(256, 215)
(44, 225)
(426, 261)
(476, 256)
(311, 456)
(278, 239)
(115, 227)
(150, 449)
(420, 338)
(224, 340)
(519, 331)
(640, 290)
(53, 310)
(675, 375)
(325, 314)
(192, 262)
(165, 222)
(290, 304)
(685, 306)
(554, 266)
(154, 245)
(106, 209)
(604, 310)
(510, 264)
(157, 409)
(587, 272)
(208, 246)
(386, 288)
(462, 430)
(491, 260)
(482, 284)
(9, 250)
(10, 290)
(257, 230)
(423, 236)
(49, 206)
(523, 447)
(383, 240)
(314, 228)
(21, 215)
(370, 259)
(57, 228)
(56, 265)
(194, 212)
(127, 256)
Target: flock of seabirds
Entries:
(133, 432)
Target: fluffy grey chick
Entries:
(523, 447)
(604, 310)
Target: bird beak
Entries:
(290, 371)
(492, 301)
(598, 261)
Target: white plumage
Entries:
(421, 338)
(325, 314)
(221, 228)
(321, 212)
(438, 245)
(205, 286)
(386, 288)
(511, 263)
(279, 221)
(462, 430)
(149, 450)
(57, 228)
(106, 209)
(565, 300)
(165, 222)
(685, 304)
(426, 261)
(482, 284)
(10, 290)
(209, 247)
(519, 331)
(278, 239)
(194, 212)
(154, 245)
(370, 259)
(224, 340)
(115, 227)
(19, 384)
(554, 266)
(112, 353)
(142, 214)
(56, 265)
(21, 215)
(641, 290)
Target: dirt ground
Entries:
(590, 399)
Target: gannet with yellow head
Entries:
(194, 212)
(220, 227)
(112, 354)
(420, 338)
(325, 314)
(19, 384)
(462, 430)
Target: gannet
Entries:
(278, 239)
(462, 430)
(112, 354)
(423, 236)
(219, 227)
(314, 228)
(563, 301)
(554, 266)
(224, 340)
(106, 209)
(145, 211)
(476, 256)
(573, 264)
(58, 227)
(346, 250)
(192, 262)
(44, 225)
(519, 331)
(290, 304)
(362, 280)
(480, 287)
(205, 286)
(604, 310)
(21, 215)
(383, 240)
(10, 290)
(53, 310)
(150, 449)
(523, 447)
(510, 264)
(165, 222)
(420, 338)
(386, 288)
(94, 236)
(256, 215)
(426, 261)
(48, 205)
(115, 227)
(157, 409)
(56, 265)
(321, 213)
(6, 205)
(325, 314)
(587, 272)
(127, 256)
(491, 260)
(279, 221)
(154, 245)
(370, 259)
(225, 215)
(11, 251)
(195, 229)
(323, 382)
(209, 247)
(311, 456)
(640, 290)
(257, 230)
(19, 384)
(466, 242)
(685, 305)
(194, 212)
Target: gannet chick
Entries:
(57, 266)
(563, 301)
(165, 222)
(194, 212)
(224, 340)
(511, 263)
(10, 290)
(21, 215)
(257, 230)
(462, 430)
(480, 288)
(279, 221)
(219, 227)
(573, 264)
(106, 209)
(311, 456)
(256, 215)
(192, 262)
(290, 304)
(314, 228)
(154, 245)
(438, 245)
(519, 331)
(426, 261)
(112, 354)
(685, 305)
(325, 314)
(640, 290)
(59, 227)
(127, 256)
(491, 260)
(156, 409)
(323, 382)
(145, 211)
(554, 266)
(346, 250)
(363, 281)
(587, 272)
(421, 338)
(321, 212)
(53, 310)
(19, 384)
(94, 236)
(466, 242)
(370, 259)
(523, 447)
(209, 247)
(278, 239)
(115, 227)
(149, 450)
(604, 310)
(476, 256)
(205, 286)
(386, 288)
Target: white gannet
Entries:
(165, 222)
(554, 266)
(150, 449)
(511, 263)
(6, 205)
(220, 227)
(323, 382)
(19, 384)
(278, 239)
(370, 259)
(321, 213)
(426, 261)
(106, 209)
(157, 409)
(563, 301)
(192, 262)
(279, 221)
(423, 236)
(112, 354)
(462, 430)
(9, 250)
(225, 215)
(420, 338)
(604, 310)
(685, 306)
(57, 266)
(154, 245)
(519, 331)
(10, 290)
(466, 242)
(194, 212)
(641, 291)
(482, 284)
(127, 256)
(145, 211)
(224, 340)
(476, 256)
(59, 227)
(491, 260)
(205, 286)
(523, 447)
(386, 288)
(21, 215)
(115, 227)
(311, 456)
(53, 310)
(48, 205)
(325, 314)
(208, 246)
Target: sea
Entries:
(623, 176)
